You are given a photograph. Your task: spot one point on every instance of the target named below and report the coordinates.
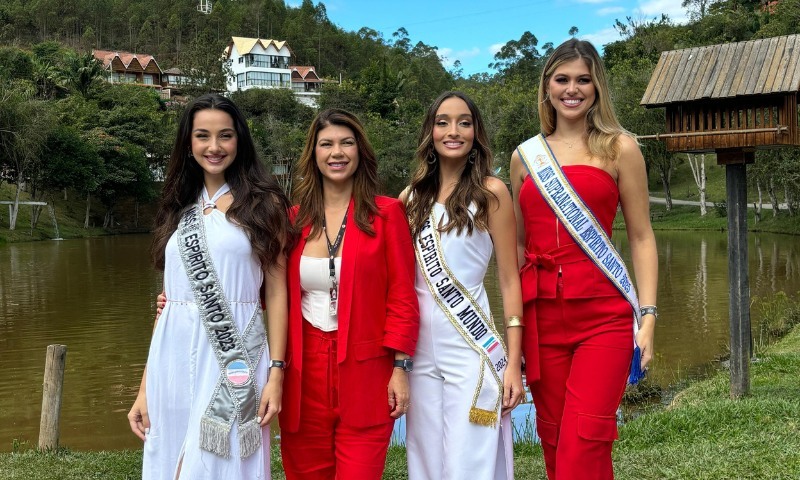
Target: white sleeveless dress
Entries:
(182, 371)
(441, 442)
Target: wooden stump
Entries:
(51, 396)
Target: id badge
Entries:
(333, 305)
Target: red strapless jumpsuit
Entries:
(583, 334)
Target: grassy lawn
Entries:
(703, 434)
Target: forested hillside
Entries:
(64, 129)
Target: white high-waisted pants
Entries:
(441, 442)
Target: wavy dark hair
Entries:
(308, 185)
(259, 204)
(471, 186)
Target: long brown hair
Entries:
(259, 205)
(602, 126)
(470, 188)
(308, 186)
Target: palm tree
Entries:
(81, 73)
(46, 77)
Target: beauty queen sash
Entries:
(577, 218)
(469, 319)
(235, 397)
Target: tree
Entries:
(24, 125)
(81, 73)
(72, 161)
(698, 165)
(521, 57)
(126, 173)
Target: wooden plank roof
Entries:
(756, 67)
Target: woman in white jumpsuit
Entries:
(458, 424)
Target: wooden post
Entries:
(738, 278)
(51, 396)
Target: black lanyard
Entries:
(334, 247)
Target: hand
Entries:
(138, 417)
(644, 339)
(271, 396)
(161, 302)
(513, 391)
(398, 393)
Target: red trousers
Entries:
(324, 447)
(585, 350)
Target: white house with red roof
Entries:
(260, 63)
(306, 85)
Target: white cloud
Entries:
(602, 37)
(495, 47)
(609, 11)
(448, 55)
(654, 8)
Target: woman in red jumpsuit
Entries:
(579, 335)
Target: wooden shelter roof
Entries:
(756, 67)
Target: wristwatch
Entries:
(277, 364)
(649, 310)
(407, 364)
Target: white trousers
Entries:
(441, 443)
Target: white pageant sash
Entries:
(469, 319)
(576, 217)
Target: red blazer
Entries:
(378, 314)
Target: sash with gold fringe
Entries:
(469, 319)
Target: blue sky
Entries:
(473, 31)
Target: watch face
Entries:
(406, 364)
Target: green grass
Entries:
(703, 434)
(69, 216)
(685, 217)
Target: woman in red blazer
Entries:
(353, 312)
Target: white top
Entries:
(315, 284)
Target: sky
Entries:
(473, 31)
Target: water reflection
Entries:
(96, 296)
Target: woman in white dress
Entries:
(209, 389)
(465, 381)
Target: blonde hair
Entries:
(602, 126)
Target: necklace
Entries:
(571, 144)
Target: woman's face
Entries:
(214, 142)
(453, 130)
(572, 91)
(336, 153)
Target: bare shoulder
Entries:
(628, 147)
(630, 155)
(496, 186)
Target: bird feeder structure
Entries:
(731, 99)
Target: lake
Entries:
(97, 297)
